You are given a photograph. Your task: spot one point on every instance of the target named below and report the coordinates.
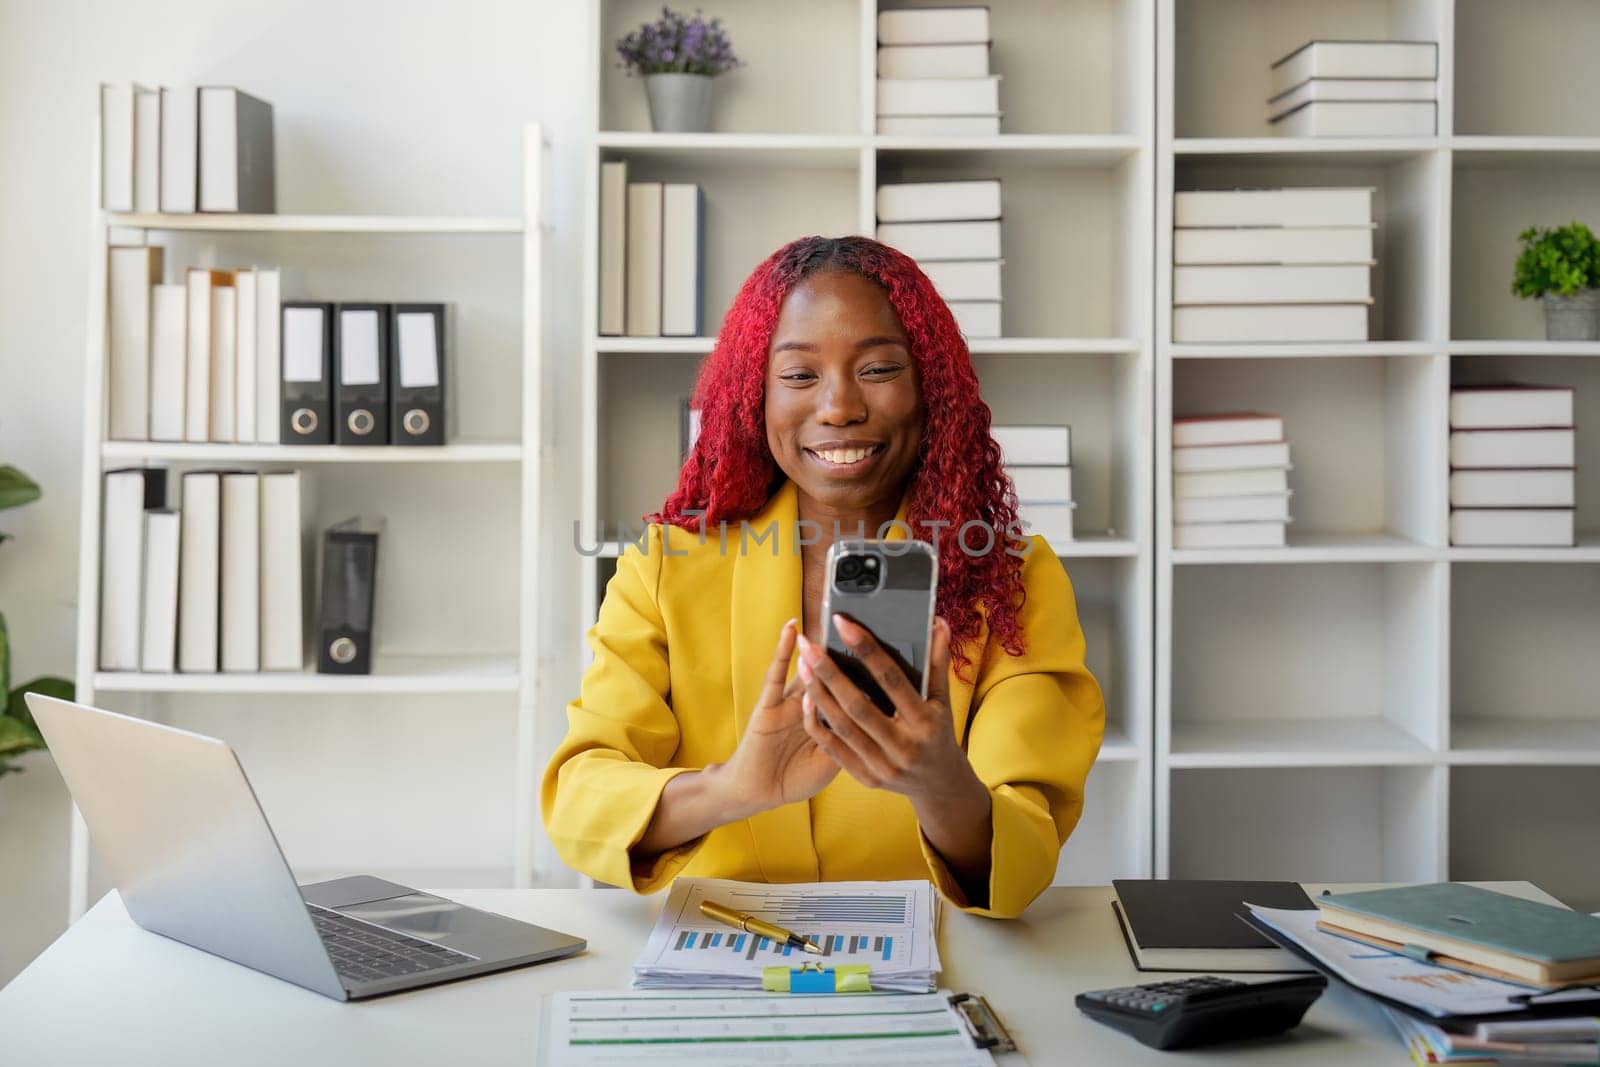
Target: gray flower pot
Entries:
(679, 103)
(1572, 318)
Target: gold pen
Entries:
(752, 925)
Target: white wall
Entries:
(397, 106)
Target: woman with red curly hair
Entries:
(840, 400)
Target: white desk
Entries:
(108, 992)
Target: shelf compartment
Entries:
(1365, 438)
(1346, 655)
(463, 225)
(644, 393)
(1408, 279)
(803, 70)
(1103, 399)
(1542, 54)
(1106, 843)
(1113, 619)
(1493, 201)
(175, 452)
(1224, 51)
(1315, 824)
(1535, 823)
(391, 674)
(1067, 237)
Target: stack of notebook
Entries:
(952, 230)
(1512, 450)
(1230, 481)
(1038, 460)
(1272, 265)
(933, 72)
(1356, 89)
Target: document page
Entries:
(606, 1029)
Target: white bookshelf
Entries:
(1370, 702)
(449, 714)
(1076, 158)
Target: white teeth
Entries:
(843, 456)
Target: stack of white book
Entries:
(1230, 481)
(952, 230)
(1272, 265)
(652, 256)
(1356, 89)
(1038, 460)
(1512, 452)
(196, 361)
(933, 72)
(219, 584)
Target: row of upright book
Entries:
(1259, 265)
(183, 149)
(1513, 449)
(933, 73)
(952, 230)
(1356, 89)
(652, 256)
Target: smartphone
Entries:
(889, 588)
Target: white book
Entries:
(1270, 322)
(199, 572)
(1351, 244)
(683, 260)
(1278, 283)
(1513, 489)
(939, 201)
(180, 148)
(940, 125)
(1352, 89)
(934, 25)
(197, 357)
(1034, 446)
(1261, 481)
(943, 240)
(964, 279)
(1510, 406)
(1052, 521)
(976, 319)
(934, 61)
(1512, 448)
(644, 259)
(1042, 485)
(1244, 428)
(244, 357)
(939, 96)
(286, 558)
(224, 370)
(1338, 206)
(132, 271)
(613, 247)
(1229, 535)
(237, 158)
(1523, 527)
(1355, 59)
(116, 147)
(159, 636)
(1269, 507)
(146, 149)
(269, 380)
(121, 569)
(241, 571)
(168, 378)
(1359, 118)
(1230, 457)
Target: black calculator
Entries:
(1202, 1011)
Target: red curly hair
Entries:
(730, 473)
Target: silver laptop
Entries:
(184, 838)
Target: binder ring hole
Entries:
(416, 422)
(343, 650)
(361, 422)
(303, 421)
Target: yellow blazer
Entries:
(680, 649)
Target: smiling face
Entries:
(843, 405)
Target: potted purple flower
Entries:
(678, 56)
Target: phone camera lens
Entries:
(850, 567)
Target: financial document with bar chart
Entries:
(888, 926)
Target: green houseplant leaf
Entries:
(16, 488)
(1562, 261)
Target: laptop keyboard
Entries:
(367, 952)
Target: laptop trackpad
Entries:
(420, 915)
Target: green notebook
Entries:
(1520, 937)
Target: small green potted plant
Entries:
(678, 56)
(18, 732)
(1562, 265)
